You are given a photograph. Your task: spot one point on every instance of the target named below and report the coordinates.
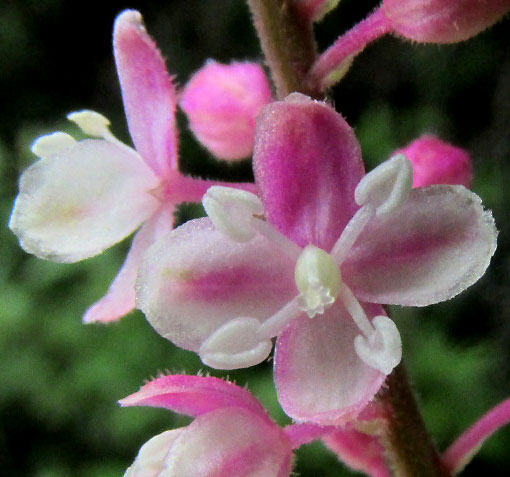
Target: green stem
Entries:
(288, 44)
(409, 449)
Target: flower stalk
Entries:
(409, 449)
(288, 44)
(289, 47)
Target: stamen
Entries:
(276, 323)
(383, 348)
(236, 344)
(286, 246)
(355, 310)
(231, 211)
(386, 187)
(91, 123)
(318, 279)
(345, 242)
(52, 144)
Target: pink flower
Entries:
(231, 435)
(443, 21)
(310, 262)
(222, 102)
(84, 196)
(437, 162)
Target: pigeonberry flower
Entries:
(231, 434)
(83, 196)
(311, 261)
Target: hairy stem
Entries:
(331, 65)
(287, 42)
(409, 449)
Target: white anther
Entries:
(318, 279)
(382, 350)
(232, 210)
(51, 144)
(91, 123)
(387, 186)
(236, 344)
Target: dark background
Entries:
(60, 380)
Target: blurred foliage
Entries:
(61, 380)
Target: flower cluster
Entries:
(307, 256)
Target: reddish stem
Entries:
(337, 56)
(461, 451)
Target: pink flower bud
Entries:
(222, 102)
(437, 162)
(443, 21)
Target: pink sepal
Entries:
(443, 21)
(318, 375)
(147, 91)
(359, 451)
(307, 163)
(300, 434)
(438, 162)
(120, 298)
(193, 395)
(458, 455)
(222, 102)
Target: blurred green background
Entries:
(60, 380)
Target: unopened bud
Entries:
(437, 162)
(443, 21)
(222, 102)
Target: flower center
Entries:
(318, 280)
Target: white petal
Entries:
(74, 205)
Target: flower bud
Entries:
(315, 9)
(443, 21)
(437, 162)
(222, 102)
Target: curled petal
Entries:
(120, 298)
(231, 441)
(318, 375)
(150, 461)
(193, 395)
(194, 280)
(147, 91)
(433, 247)
(307, 163)
(76, 204)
